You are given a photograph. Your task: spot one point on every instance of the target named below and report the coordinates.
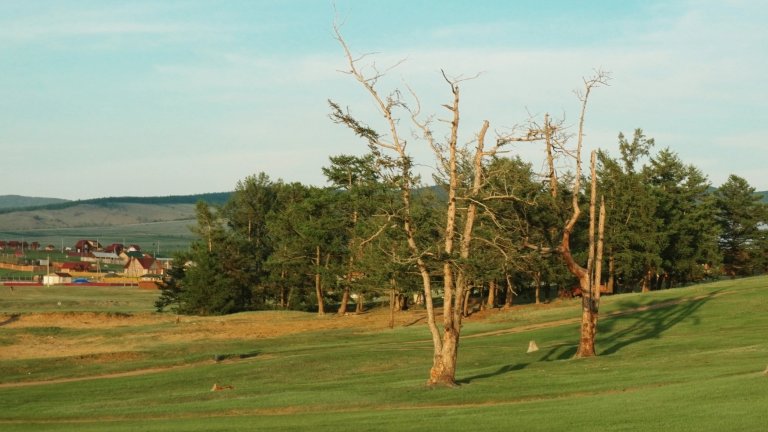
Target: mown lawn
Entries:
(688, 359)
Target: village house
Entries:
(17, 245)
(143, 266)
(116, 248)
(58, 278)
(104, 258)
(126, 255)
(77, 266)
(166, 263)
(85, 246)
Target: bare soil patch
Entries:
(44, 341)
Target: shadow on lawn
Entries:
(235, 356)
(648, 324)
(10, 319)
(502, 370)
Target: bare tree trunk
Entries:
(509, 298)
(537, 283)
(360, 304)
(418, 298)
(350, 268)
(445, 343)
(591, 297)
(467, 294)
(492, 288)
(392, 303)
(344, 301)
(318, 283)
(454, 303)
(585, 276)
(646, 282)
(611, 284)
(283, 299)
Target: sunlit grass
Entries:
(683, 359)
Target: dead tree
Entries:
(391, 153)
(589, 277)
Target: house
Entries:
(78, 266)
(126, 255)
(116, 248)
(166, 263)
(85, 246)
(17, 245)
(134, 248)
(3, 244)
(59, 278)
(50, 247)
(76, 255)
(103, 257)
(143, 266)
(34, 245)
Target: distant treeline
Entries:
(214, 198)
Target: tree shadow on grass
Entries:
(10, 319)
(502, 370)
(560, 352)
(235, 356)
(648, 324)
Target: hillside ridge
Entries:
(19, 201)
(105, 212)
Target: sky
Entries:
(153, 98)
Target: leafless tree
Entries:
(589, 277)
(392, 155)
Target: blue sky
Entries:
(145, 98)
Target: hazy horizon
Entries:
(152, 98)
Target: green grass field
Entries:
(168, 236)
(690, 359)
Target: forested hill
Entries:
(105, 212)
(14, 203)
(18, 201)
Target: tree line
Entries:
(490, 230)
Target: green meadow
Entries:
(688, 359)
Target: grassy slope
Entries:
(694, 361)
(132, 220)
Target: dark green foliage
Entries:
(633, 234)
(740, 213)
(275, 245)
(171, 289)
(685, 212)
(210, 286)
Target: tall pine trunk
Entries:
(492, 289)
(318, 283)
(344, 301)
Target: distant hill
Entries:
(18, 201)
(765, 196)
(216, 198)
(103, 212)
